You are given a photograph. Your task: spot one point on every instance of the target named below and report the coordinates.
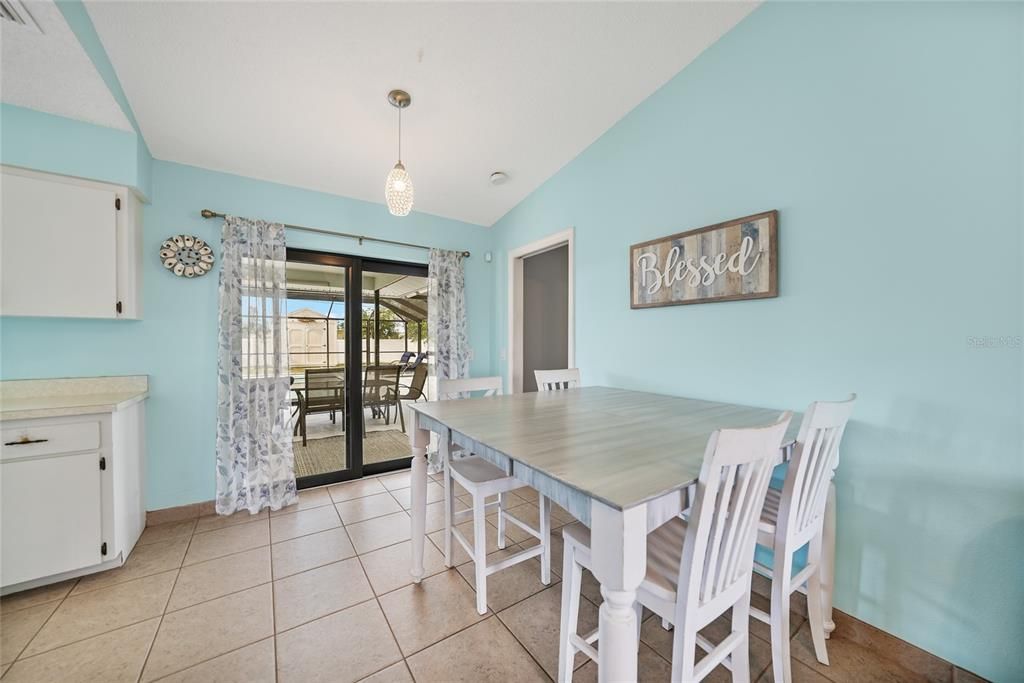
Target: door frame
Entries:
(515, 301)
(354, 267)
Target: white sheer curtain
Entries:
(447, 342)
(255, 465)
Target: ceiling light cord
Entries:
(399, 135)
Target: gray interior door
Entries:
(545, 313)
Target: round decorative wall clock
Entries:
(186, 256)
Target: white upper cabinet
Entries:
(68, 247)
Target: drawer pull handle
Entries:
(25, 440)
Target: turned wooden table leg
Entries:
(419, 439)
(619, 556)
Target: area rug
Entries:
(329, 454)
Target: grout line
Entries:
(43, 625)
(163, 612)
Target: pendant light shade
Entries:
(398, 190)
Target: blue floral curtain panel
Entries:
(447, 342)
(255, 465)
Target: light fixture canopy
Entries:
(398, 190)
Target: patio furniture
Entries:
(556, 380)
(324, 392)
(415, 389)
(697, 570)
(380, 392)
(795, 517)
(483, 480)
(619, 461)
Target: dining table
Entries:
(622, 462)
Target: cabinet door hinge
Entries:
(103, 463)
(103, 548)
(117, 203)
(118, 306)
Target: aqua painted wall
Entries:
(176, 342)
(888, 136)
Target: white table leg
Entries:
(828, 558)
(419, 439)
(618, 540)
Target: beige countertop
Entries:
(33, 398)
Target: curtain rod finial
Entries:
(206, 213)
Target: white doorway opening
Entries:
(534, 338)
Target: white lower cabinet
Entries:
(71, 498)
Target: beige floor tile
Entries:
(661, 641)
(308, 498)
(214, 522)
(510, 585)
(315, 593)
(435, 492)
(527, 494)
(801, 673)
(355, 489)
(435, 517)
(339, 648)
(396, 673)
(251, 664)
(380, 532)
(213, 544)
(459, 556)
(849, 660)
(651, 668)
(110, 657)
(89, 614)
(396, 481)
(168, 531)
(359, 509)
(18, 627)
(36, 596)
(303, 523)
(388, 568)
(424, 613)
(145, 560)
(214, 578)
(484, 652)
(210, 629)
(935, 669)
(536, 623)
(308, 552)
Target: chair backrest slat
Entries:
(448, 389)
(556, 380)
(815, 458)
(718, 553)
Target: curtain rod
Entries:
(207, 213)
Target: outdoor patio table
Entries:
(619, 461)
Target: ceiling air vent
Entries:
(15, 12)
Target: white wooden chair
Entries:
(696, 570)
(556, 380)
(795, 517)
(482, 479)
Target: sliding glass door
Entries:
(357, 353)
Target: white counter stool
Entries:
(795, 517)
(556, 380)
(482, 479)
(696, 570)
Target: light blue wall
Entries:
(889, 138)
(33, 139)
(176, 342)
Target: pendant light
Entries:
(398, 189)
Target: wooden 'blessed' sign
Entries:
(725, 262)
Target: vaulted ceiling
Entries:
(295, 92)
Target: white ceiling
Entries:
(295, 92)
(49, 71)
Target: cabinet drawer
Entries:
(48, 439)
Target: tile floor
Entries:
(321, 592)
